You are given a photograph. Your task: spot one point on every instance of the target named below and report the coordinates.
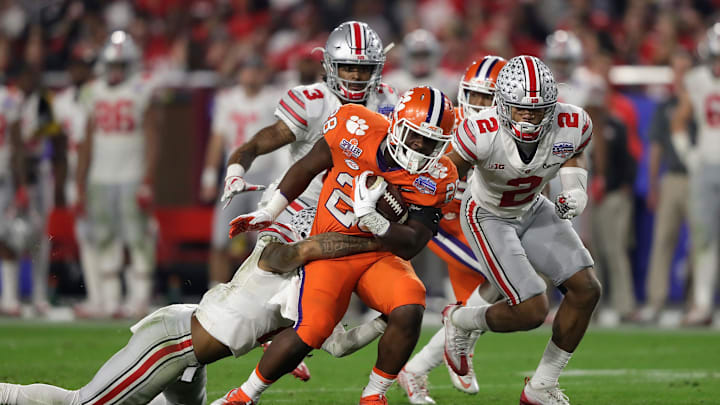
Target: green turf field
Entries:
(631, 366)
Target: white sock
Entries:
(40, 271)
(36, 394)
(10, 284)
(90, 269)
(378, 385)
(255, 385)
(475, 300)
(704, 279)
(471, 318)
(429, 357)
(551, 365)
(342, 342)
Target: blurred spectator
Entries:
(701, 96)
(667, 196)
(420, 56)
(239, 112)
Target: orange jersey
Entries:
(355, 136)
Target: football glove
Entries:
(261, 218)
(365, 198)
(235, 184)
(572, 200)
(144, 197)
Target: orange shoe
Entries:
(236, 396)
(377, 399)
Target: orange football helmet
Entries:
(423, 111)
(480, 76)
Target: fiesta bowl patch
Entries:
(563, 149)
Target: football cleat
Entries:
(377, 399)
(696, 317)
(236, 396)
(466, 383)
(542, 396)
(415, 386)
(458, 342)
(301, 372)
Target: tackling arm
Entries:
(268, 139)
(462, 165)
(284, 258)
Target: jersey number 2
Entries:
(345, 216)
(508, 197)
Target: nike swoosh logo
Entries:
(463, 383)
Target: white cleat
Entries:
(458, 343)
(543, 396)
(415, 386)
(465, 383)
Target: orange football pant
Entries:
(383, 281)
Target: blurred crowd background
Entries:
(195, 49)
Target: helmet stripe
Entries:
(435, 112)
(357, 38)
(479, 67)
(531, 74)
(428, 119)
(486, 74)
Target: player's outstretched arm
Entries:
(283, 258)
(296, 180)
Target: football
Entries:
(391, 205)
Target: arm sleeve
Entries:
(585, 133)
(465, 141)
(291, 110)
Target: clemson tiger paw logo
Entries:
(407, 96)
(438, 171)
(356, 125)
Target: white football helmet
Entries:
(353, 43)
(563, 51)
(120, 48)
(709, 47)
(525, 82)
(421, 53)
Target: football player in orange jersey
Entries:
(475, 93)
(407, 152)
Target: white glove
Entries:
(235, 184)
(365, 198)
(253, 221)
(374, 223)
(572, 200)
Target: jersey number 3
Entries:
(509, 197)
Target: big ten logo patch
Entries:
(350, 148)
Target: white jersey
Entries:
(255, 302)
(118, 154)
(501, 182)
(440, 79)
(583, 89)
(9, 115)
(70, 114)
(237, 117)
(304, 109)
(704, 91)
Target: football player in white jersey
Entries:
(700, 98)
(13, 196)
(475, 93)
(516, 148)
(239, 112)
(70, 113)
(421, 56)
(168, 351)
(353, 61)
(116, 171)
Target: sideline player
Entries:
(169, 348)
(407, 153)
(116, 170)
(701, 97)
(13, 196)
(353, 61)
(238, 112)
(516, 148)
(475, 93)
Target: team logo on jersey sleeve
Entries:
(350, 148)
(563, 149)
(356, 125)
(425, 185)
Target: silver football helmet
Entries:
(563, 51)
(525, 82)
(120, 48)
(421, 53)
(353, 43)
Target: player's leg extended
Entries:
(40, 205)
(704, 209)
(157, 355)
(90, 264)
(391, 287)
(139, 232)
